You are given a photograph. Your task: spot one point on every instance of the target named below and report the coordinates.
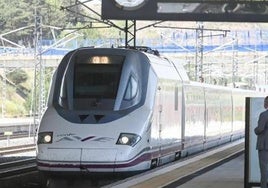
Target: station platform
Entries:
(222, 167)
(227, 175)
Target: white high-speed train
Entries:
(124, 110)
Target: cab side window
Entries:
(132, 89)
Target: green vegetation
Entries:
(18, 14)
(17, 98)
(22, 14)
(12, 98)
(18, 76)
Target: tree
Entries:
(17, 14)
(18, 76)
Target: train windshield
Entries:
(96, 80)
(91, 82)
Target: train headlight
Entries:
(45, 138)
(128, 139)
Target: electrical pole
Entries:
(130, 33)
(199, 53)
(235, 61)
(39, 78)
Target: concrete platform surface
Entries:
(228, 175)
(185, 171)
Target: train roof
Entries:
(153, 56)
(170, 62)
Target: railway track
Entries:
(16, 149)
(17, 167)
(19, 135)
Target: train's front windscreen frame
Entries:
(83, 110)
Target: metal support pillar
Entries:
(255, 71)
(39, 81)
(256, 67)
(199, 53)
(235, 61)
(130, 33)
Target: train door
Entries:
(160, 116)
(155, 129)
(183, 119)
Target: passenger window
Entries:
(132, 89)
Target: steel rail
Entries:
(17, 149)
(18, 135)
(18, 167)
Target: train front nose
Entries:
(77, 159)
(98, 160)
